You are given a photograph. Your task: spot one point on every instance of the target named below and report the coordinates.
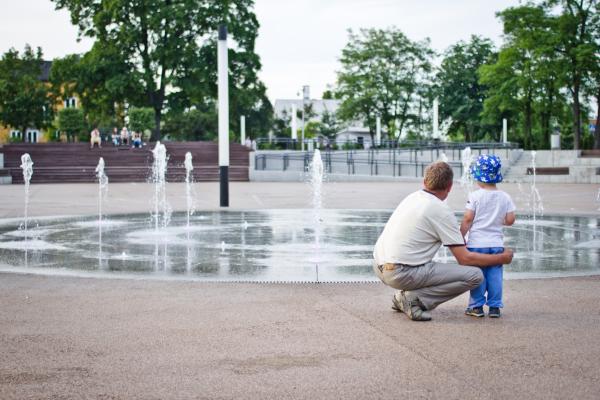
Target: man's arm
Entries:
(466, 257)
(467, 221)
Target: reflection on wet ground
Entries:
(277, 245)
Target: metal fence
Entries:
(380, 161)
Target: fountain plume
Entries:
(316, 181)
(27, 167)
(102, 189)
(189, 167)
(159, 171)
(466, 180)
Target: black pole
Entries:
(224, 180)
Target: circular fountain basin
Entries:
(274, 245)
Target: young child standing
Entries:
(487, 211)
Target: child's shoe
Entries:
(475, 312)
(494, 312)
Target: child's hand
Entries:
(508, 254)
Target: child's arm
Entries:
(509, 219)
(467, 221)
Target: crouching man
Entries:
(403, 254)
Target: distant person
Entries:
(136, 140)
(254, 145)
(248, 143)
(95, 138)
(115, 137)
(404, 252)
(124, 136)
(488, 210)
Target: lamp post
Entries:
(223, 116)
(305, 96)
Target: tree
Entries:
(329, 125)
(100, 81)
(577, 49)
(460, 92)
(141, 119)
(71, 121)
(526, 80)
(383, 74)
(24, 99)
(192, 125)
(172, 44)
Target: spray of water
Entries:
(443, 157)
(466, 180)
(536, 205)
(316, 180)
(102, 189)
(189, 167)
(27, 167)
(162, 209)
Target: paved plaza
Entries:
(74, 338)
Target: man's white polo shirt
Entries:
(418, 227)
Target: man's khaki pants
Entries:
(433, 283)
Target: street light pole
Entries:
(305, 96)
(222, 67)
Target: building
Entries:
(354, 135)
(283, 108)
(35, 134)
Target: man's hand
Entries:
(466, 257)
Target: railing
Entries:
(385, 162)
(279, 143)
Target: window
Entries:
(15, 134)
(32, 135)
(70, 102)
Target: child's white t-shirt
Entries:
(490, 207)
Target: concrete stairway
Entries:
(76, 162)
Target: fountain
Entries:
(102, 189)
(466, 180)
(443, 157)
(159, 171)
(316, 180)
(536, 207)
(27, 167)
(262, 245)
(189, 167)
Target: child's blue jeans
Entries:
(492, 282)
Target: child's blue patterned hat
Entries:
(486, 169)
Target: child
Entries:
(487, 210)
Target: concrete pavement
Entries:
(70, 338)
(75, 338)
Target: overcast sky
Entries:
(299, 41)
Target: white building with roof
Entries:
(283, 108)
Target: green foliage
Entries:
(71, 121)
(141, 119)
(548, 59)
(153, 46)
(192, 125)
(24, 99)
(459, 90)
(384, 73)
(329, 125)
